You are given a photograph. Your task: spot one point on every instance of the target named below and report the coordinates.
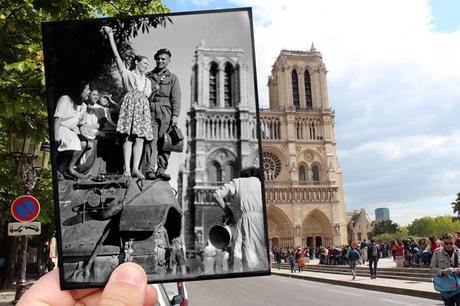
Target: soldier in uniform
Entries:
(165, 109)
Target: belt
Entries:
(160, 99)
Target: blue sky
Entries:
(446, 15)
(393, 79)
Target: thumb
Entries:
(126, 287)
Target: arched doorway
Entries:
(316, 230)
(280, 232)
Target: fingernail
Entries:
(131, 275)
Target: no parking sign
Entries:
(25, 208)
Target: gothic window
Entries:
(236, 85)
(229, 171)
(214, 172)
(213, 85)
(295, 89)
(272, 166)
(315, 173)
(302, 174)
(228, 95)
(307, 82)
(195, 83)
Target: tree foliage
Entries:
(22, 77)
(22, 80)
(456, 206)
(384, 226)
(388, 237)
(428, 226)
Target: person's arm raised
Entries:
(109, 32)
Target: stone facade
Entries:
(221, 136)
(303, 180)
(358, 226)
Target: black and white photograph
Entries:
(156, 146)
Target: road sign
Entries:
(24, 228)
(25, 208)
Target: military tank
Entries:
(110, 219)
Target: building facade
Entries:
(382, 213)
(221, 136)
(303, 180)
(358, 225)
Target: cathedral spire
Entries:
(313, 49)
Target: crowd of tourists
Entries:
(405, 253)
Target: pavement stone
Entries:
(6, 297)
(412, 288)
(405, 287)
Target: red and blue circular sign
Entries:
(25, 208)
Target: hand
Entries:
(174, 120)
(57, 143)
(107, 30)
(127, 286)
(228, 217)
(445, 272)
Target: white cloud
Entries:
(407, 147)
(407, 212)
(393, 81)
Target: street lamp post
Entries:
(31, 158)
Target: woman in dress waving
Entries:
(134, 118)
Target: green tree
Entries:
(22, 88)
(384, 226)
(456, 206)
(428, 226)
(388, 237)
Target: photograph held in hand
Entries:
(156, 147)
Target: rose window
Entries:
(272, 166)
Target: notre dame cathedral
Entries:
(303, 180)
(221, 136)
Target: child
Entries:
(107, 103)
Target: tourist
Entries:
(444, 261)
(291, 260)
(364, 246)
(399, 254)
(353, 257)
(373, 251)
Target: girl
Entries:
(67, 119)
(134, 119)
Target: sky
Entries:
(393, 78)
(181, 37)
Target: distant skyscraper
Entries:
(382, 213)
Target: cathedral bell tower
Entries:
(303, 180)
(221, 135)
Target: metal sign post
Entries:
(24, 209)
